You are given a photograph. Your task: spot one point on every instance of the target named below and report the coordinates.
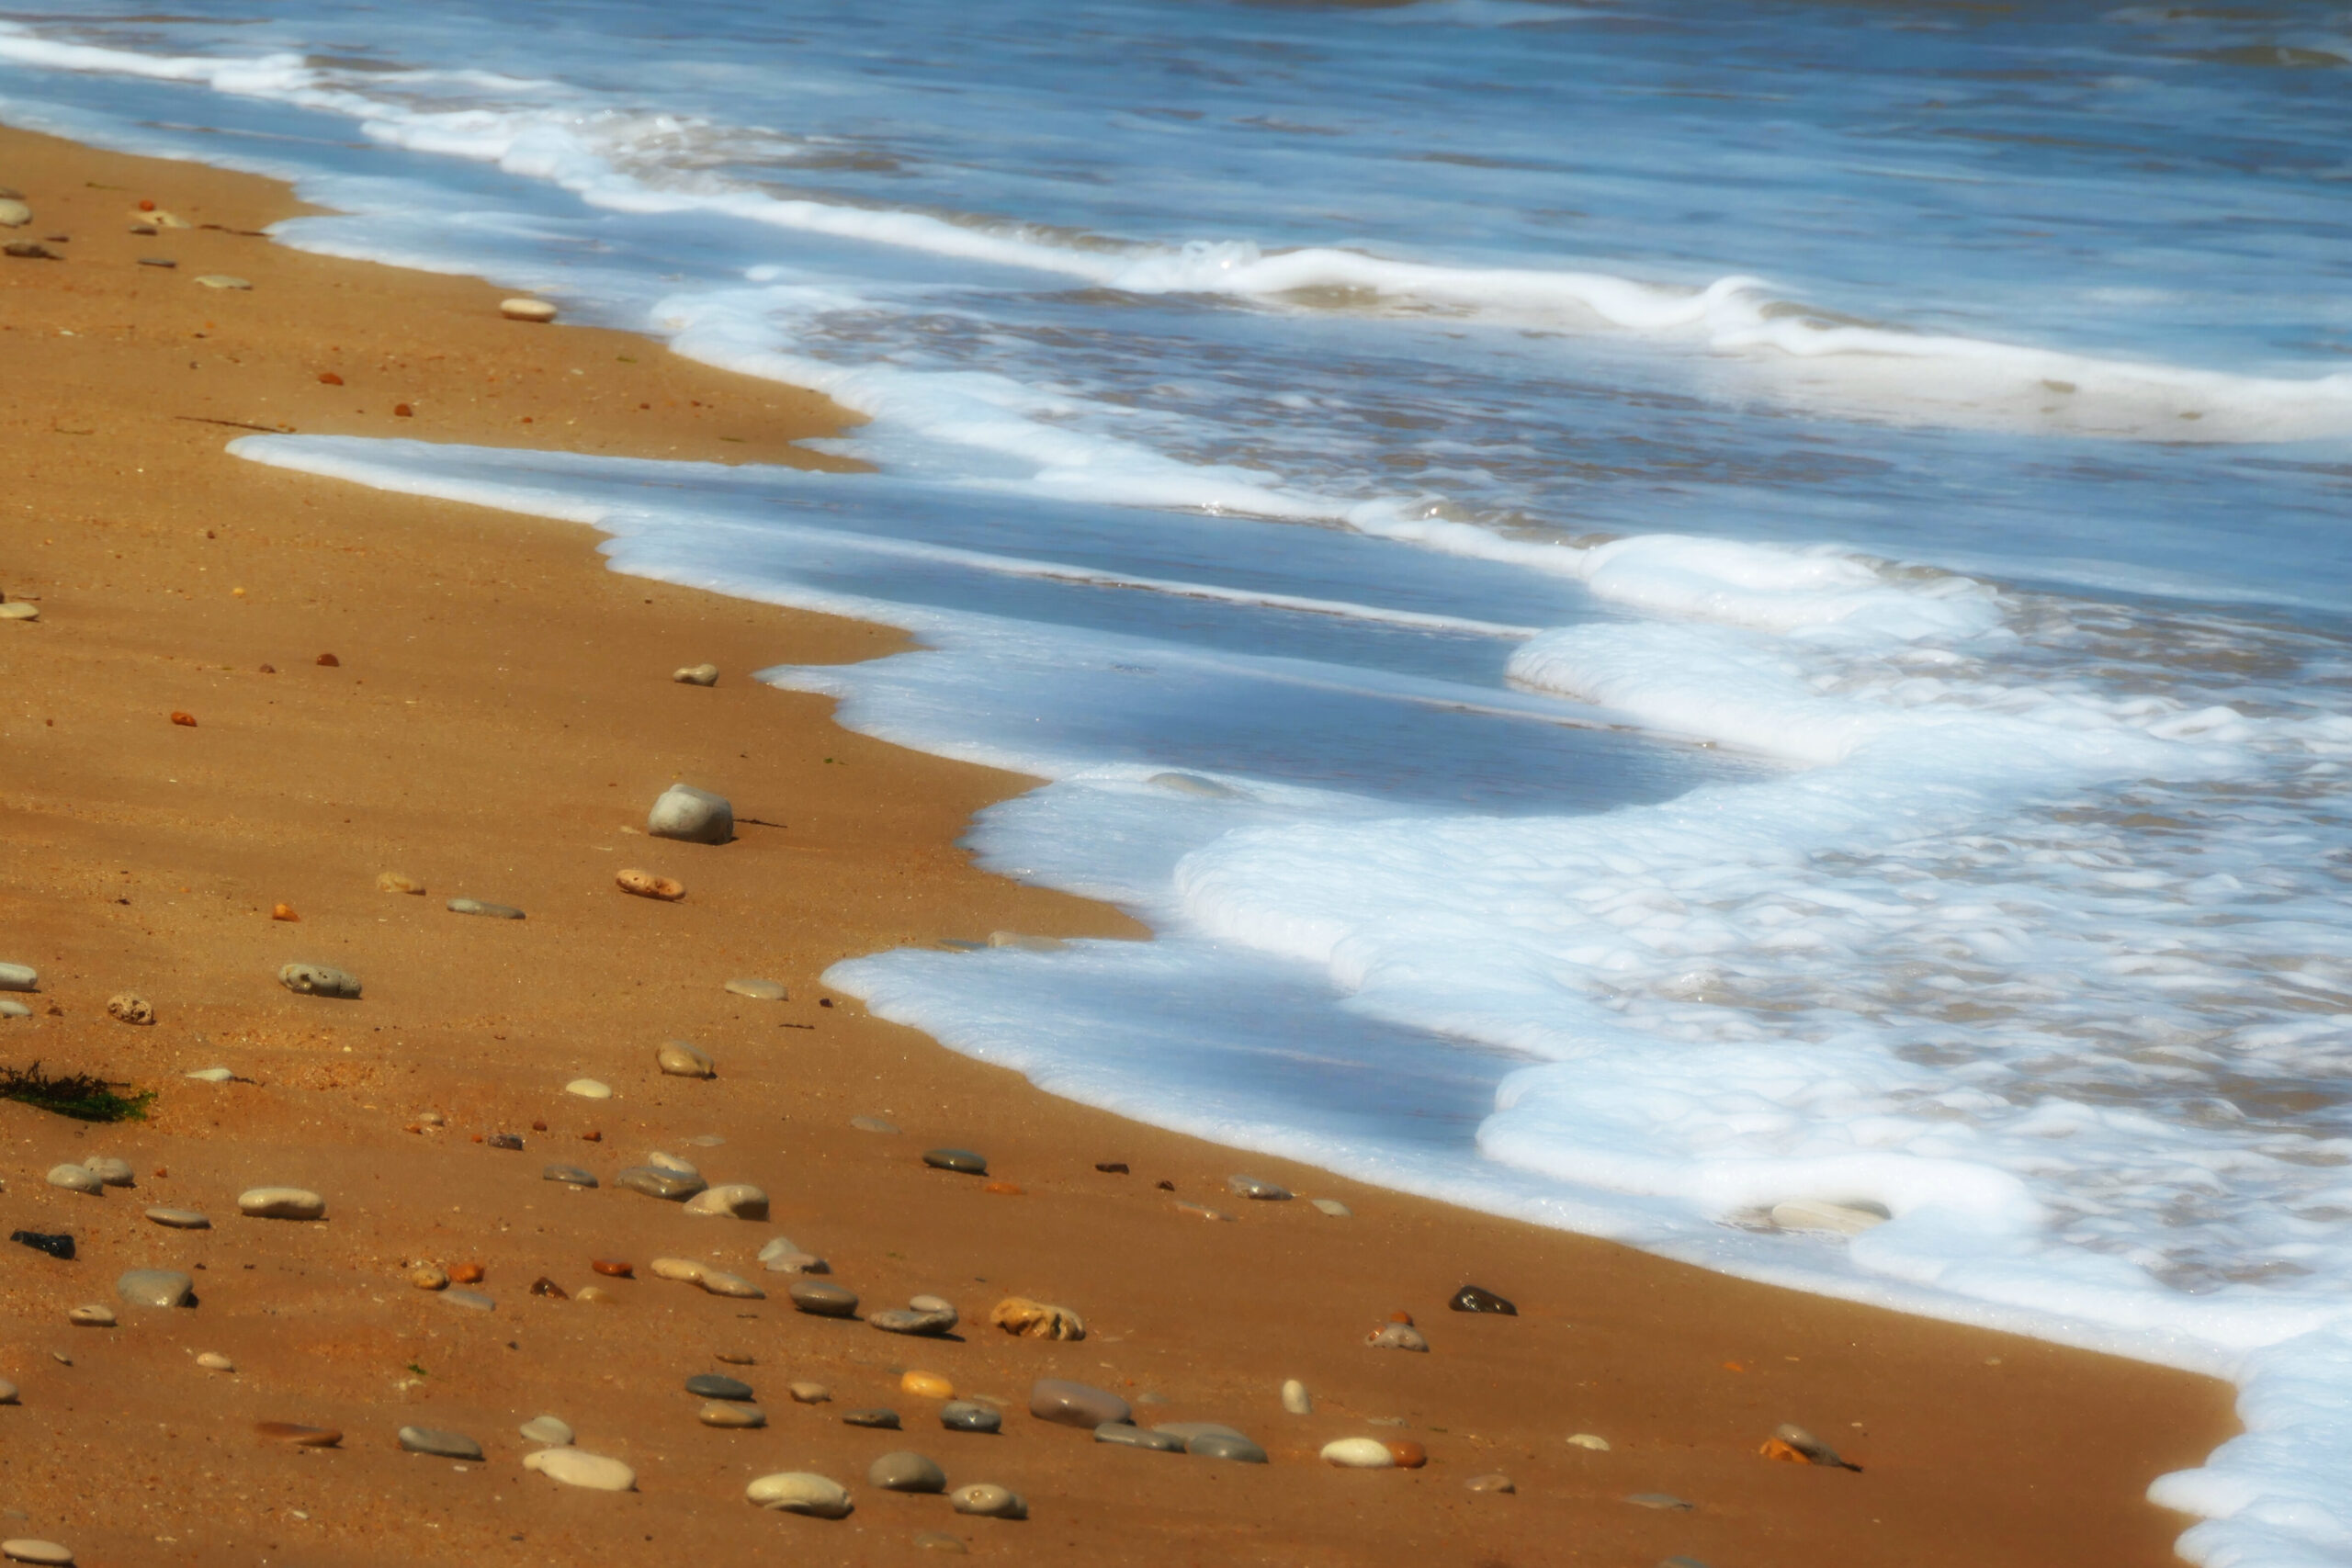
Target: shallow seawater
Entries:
(1665, 608)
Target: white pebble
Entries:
(1295, 1399)
(1359, 1453)
(527, 310)
(588, 1089)
(574, 1468)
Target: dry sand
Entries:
(501, 716)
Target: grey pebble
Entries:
(911, 1320)
(1076, 1404)
(964, 1415)
(443, 1445)
(873, 1125)
(156, 1288)
(819, 1299)
(476, 907)
(570, 1175)
(472, 1301)
(19, 978)
(695, 816)
(653, 1182)
(886, 1419)
(318, 980)
(157, 261)
(962, 1160)
(11, 1008)
(711, 1385)
(906, 1470)
(1664, 1501)
(75, 1179)
(1226, 1445)
(1258, 1187)
(112, 1171)
(181, 1219)
(1126, 1435)
(1498, 1481)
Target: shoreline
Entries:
(500, 716)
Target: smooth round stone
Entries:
(519, 310)
(1295, 1399)
(181, 1219)
(8, 1389)
(694, 815)
(680, 1060)
(476, 907)
(713, 1385)
(672, 1163)
(592, 1471)
(214, 1361)
(281, 1204)
(792, 1262)
(24, 1549)
(719, 1412)
(667, 1185)
(1071, 1403)
(989, 1502)
(758, 990)
(156, 1288)
(440, 1444)
(112, 1171)
(75, 1179)
(800, 1492)
(873, 1125)
(962, 1160)
(214, 1075)
(1334, 1208)
(1472, 1298)
(547, 1429)
(811, 1393)
(732, 1199)
(429, 1277)
(686, 1270)
(1593, 1440)
(570, 1175)
(472, 1300)
(777, 1246)
(1225, 1445)
(588, 1089)
(696, 675)
(1126, 1435)
(17, 610)
(964, 1415)
(1400, 1336)
(648, 884)
(1359, 1453)
(318, 980)
(596, 1295)
(819, 1299)
(1820, 1215)
(1497, 1481)
(19, 978)
(11, 1008)
(14, 214)
(906, 1470)
(91, 1317)
(926, 1386)
(720, 1284)
(909, 1320)
(886, 1420)
(1258, 1187)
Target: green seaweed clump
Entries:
(81, 1096)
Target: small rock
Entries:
(1127, 1435)
(990, 1501)
(672, 1163)
(905, 1470)
(1494, 1480)
(921, 1316)
(1334, 1208)
(713, 1385)
(800, 1492)
(520, 309)
(543, 1286)
(1470, 1298)
(546, 1430)
(17, 610)
(719, 1283)
(594, 1473)
(645, 885)
(29, 249)
(695, 816)
(570, 1175)
(397, 882)
(596, 1295)
(214, 1361)
(91, 1317)
(1398, 1337)
(9, 1391)
(131, 1008)
(1295, 1399)
(181, 1219)
(1793, 1443)
(1023, 943)
(811, 1393)
(939, 1540)
(887, 1420)
(221, 280)
(114, 1172)
(156, 1288)
(215, 1075)
(696, 675)
(962, 1160)
(668, 1185)
(11, 1008)
(968, 1415)
(1036, 1320)
(318, 980)
(1409, 1455)
(758, 990)
(588, 1089)
(1665, 1502)
(440, 1444)
(25, 1548)
(796, 1263)
(1359, 1453)
(821, 1299)
(504, 1141)
(429, 1277)
(612, 1267)
(470, 1301)
(1820, 1215)
(680, 1060)
(925, 1385)
(19, 978)
(1071, 1403)
(1593, 1440)
(293, 1434)
(733, 1199)
(281, 1204)
(686, 1270)
(476, 907)
(75, 1179)
(1226, 1444)
(719, 1412)
(873, 1125)
(157, 261)
(14, 214)
(1259, 1188)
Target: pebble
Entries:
(1023, 943)
(990, 1501)
(11, 1008)
(25, 1548)
(588, 1089)
(1820, 1215)
(91, 1317)
(543, 1286)
(685, 1269)
(1665, 1502)
(570, 1175)
(733, 1199)
(17, 610)
(441, 1445)
(1295, 1399)
(57, 1244)
(519, 310)
(696, 675)
(548, 1430)
(75, 1179)
(1226, 1445)
(296, 1435)
(131, 1008)
(214, 1361)
(397, 882)
(926, 1386)
(505, 1141)
(1593, 1440)
(1259, 1188)
(472, 1300)
(19, 978)
(1071, 1403)
(821, 1299)
(429, 1277)
(597, 1295)
(939, 1540)
(1359, 1453)
(14, 214)
(476, 907)
(695, 815)
(29, 249)
(873, 1125)
(1036, 1320)
(157, 261)
(1127, 1435)
(680, 1060)
(886, 1420)
(906, 1470)
(719, 1412)
(1790, 1441)
(1494, 1480)
(156, 1288)
(719, 1283)
(1334, 1208)
(181, 1219)
(758, 990)
(1398, 1337)
(645, 885)
(1201, 1210)
(1409, 1455)
(222, 280)
(281, 1204)
(967, 1415)
(672, 1186)
(214, 1075)
(318, 980)
(574, 1468)
(811, 1393)
(8, 1389)
(800, 1491)
(962, 1160)
(716, 1385)
(1471, 1298)
(922, 1316)
(795, 1263)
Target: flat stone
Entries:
(57, 1244)
(940, 1541)
(1333, 1207)
(821, 1299)
(92, 1317)
(962, 1160)
(732, 1199)
(648, 884)
(966, 1415)
(1798, 1443)
(680, 1060)
(1399, 1337)
(1820, 1215)
(1494, 1481)
(112, 1171)
(14, 214)
(588, 1089)
(213, 1075)
(596, 1295)
(1022, 941)
(811, 1393)
(903, 1470)
(1665, 1502)
(1472, 1298)
(1036, 1320)
(75, 1179)
(181, 1219)
(1359, 1453)
(694, 815)
(505, 1141)
(758, 990)
(1186, 1431)
(800, 1491)
(472, 1300)
(668, 1185)
(476, 907)
(8, 1395)
(912, 1320)
(214, 1361)
(1593, 1440)
(440, 1444)
(547, 1429)
(11, 1008)
(1069, 1403)
(570, 1175)
(594, 1473)
(222, 280)
(521, 310)
(719, 1283)
(696, 675)
(318, 980)
(19, 978)
(1226, 1445)
(294, 1434)
(687, 1270)
(672, 1163)
(715, 1385)
(925, 1385)
(719, 1412)
(989, 1502)
(886, 1420)
(796, 1263)
(281, 1204)
(873, 1125)
(25, 1548)
(156, 1288)
(1127, 1435)
(1295, 1399)
(1258, 1187)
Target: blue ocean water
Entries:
(1667, 609)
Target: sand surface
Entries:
(499, 718)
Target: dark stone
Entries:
(1165, 1186)
(886, 1419)
(1470, 1298)
(964, 1415)
(962, 1160)
(655, 1183)
(1226, 1445)
(442, 1445)
(504, 1141)
(57, 1244)
(543, 1286)
(1112, 1168)
(711, 1385)
(906, 1471)
(1126, 1435)
(1076, 1404)
(819, 1299)
(909, 1320)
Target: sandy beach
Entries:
(496, 717)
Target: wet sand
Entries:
(498, 719)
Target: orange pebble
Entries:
(402, 410)
(329, 378)
(466, 1273)
(1407, 1455)
(329, 661)
(1775, 1448)
(146, 204)
(927, 1385)
(1013, 1188)
(1404, 1317)
(593, 1137)
(613, 1269)
(187, 718)
(1734, 1367)
(283, 912)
